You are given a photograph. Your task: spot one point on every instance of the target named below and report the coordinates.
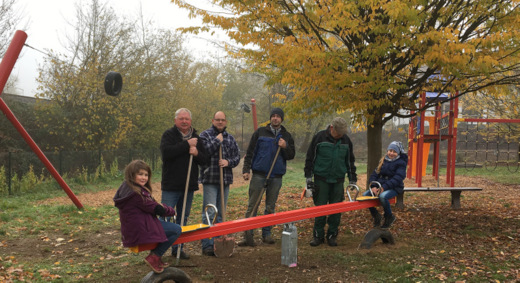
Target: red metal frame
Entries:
(415, 152)
(6, 67)
(454, 113)
(253, 109)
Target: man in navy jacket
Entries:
(259, 157)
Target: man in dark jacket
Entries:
(260, 155)
(178, 145)
(329, 157)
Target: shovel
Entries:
(225, 245)
(249, 233)
(184, 205)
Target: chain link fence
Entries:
(15, 165)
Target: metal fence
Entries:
(72, 163)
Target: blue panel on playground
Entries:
(433, 95)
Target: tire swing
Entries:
(113, 83)
(375, 234)
(169, 274)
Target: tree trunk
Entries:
(309, 135)
(374, 143)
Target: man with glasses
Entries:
(213, 139)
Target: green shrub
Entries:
(15, 183)
(29, 180)
(114, 169)
(101, 170)
(82, 176)
(4, 186)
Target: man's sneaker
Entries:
(317, 241)
(208, 252)
(268, 240)
(183, 255)
(388, 222)
(154, 261)
(331, 240)
(377, 220)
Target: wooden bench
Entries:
(455, 194)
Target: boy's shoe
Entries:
(317, 241)
(331, 240)
(268, 240)
(388, 222)
(377, 220)
(154, 261)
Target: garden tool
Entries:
(184, 204)
(225, 245)
(310, 190)
(249, 233)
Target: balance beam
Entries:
(230, 227)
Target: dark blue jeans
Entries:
(175, 199)
(383, 198)
(211, 195)
(172, 231)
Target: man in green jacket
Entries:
(329, 157)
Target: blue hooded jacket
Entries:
(392, 174)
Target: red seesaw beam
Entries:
(239, 225)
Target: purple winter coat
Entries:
(139, 224)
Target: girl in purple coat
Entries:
(390, 173)
(138, 213)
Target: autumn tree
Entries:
(10, 20)
(373, 58)
(79, 110)
(159, 76)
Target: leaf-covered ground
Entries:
(479, 243)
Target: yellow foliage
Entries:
(371, 57)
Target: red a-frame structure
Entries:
(6, 67)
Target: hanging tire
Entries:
(113, 83)
(169, 273)
(375, 234)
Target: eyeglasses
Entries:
(219, 120)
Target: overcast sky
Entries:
(46, 25)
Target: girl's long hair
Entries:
(378, 169)
(131, 171)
